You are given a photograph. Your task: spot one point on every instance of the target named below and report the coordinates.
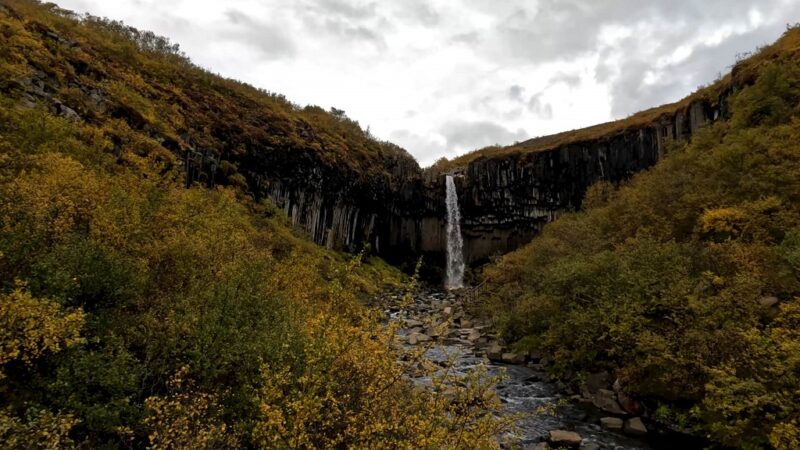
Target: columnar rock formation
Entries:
(505, 199)
(343, 187)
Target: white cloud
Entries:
(441, 77)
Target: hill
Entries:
(329, 175)
(151, 294)
(683, 284)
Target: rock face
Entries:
(336, 209)
(344, 196)
(607, 401)
(506, 199)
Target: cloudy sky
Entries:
(442, 77)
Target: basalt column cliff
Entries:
(507, 197)
(334, 180)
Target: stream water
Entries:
(525, 388)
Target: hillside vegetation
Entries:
(685, 282)
(146, 94)
(140, 309)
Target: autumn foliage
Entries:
(684, 283)
(139, 310)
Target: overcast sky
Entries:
(442, 77)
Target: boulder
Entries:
(494, 352)
(512, 358)
(607, 401)
(635, 426)
(628, 403)
(416, 338)
(67, 112)
(564, 438)
(611, 423)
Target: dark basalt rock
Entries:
(387, 203)
(505, 200)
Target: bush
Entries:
(663, 281)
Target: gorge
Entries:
(506, 195)
(187, 261)
(348, 191)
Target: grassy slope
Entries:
(145, 81)
(743, 73)
(668, 281)
(136, 313)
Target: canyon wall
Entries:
(506, 199)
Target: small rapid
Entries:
(465, 345)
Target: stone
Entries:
(628, 403)
(590, 446)
(68, 113)
(494, 352)
(564, 438)
(768, 302)
(411, 323)
(512, 358)
(416, 338)
(473, 335)
(448, 310)
(635, 427)
(607, 401)
(465, 323)
(611, 423)
(433, 332)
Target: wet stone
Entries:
(635, 426)
(611, 423)
(564, 438)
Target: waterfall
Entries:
(455, 250)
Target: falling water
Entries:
(455, 253)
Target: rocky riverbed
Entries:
(550, 415)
